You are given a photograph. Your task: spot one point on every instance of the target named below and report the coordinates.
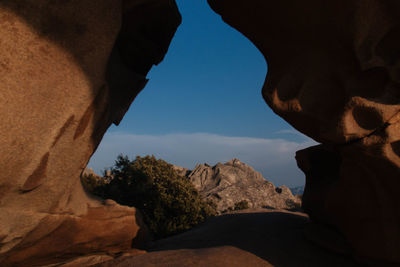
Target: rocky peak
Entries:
(234, 181)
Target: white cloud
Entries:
(274, 158)
(289, 131)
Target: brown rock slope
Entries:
(234, 181)
(334, 74)
(247, 238)
(59, 91)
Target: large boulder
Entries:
(227, 184)
(334, 74)
(62, 83)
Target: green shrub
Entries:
(241, 205)
(170, 204)
(94, 184)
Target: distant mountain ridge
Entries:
(229, 183)
(298, 190)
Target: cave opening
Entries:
(203, 104)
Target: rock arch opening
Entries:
(333, 75)
(203, 103)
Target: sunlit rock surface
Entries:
(59, 92)
(334, 74)
(226, 184)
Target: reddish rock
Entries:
(62, 84)
(110, 229)
(87, 260)
(218, 257)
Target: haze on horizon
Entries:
(203, 103)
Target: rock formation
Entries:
(68, 69)
(234, 181)
(334, 74)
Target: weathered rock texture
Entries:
(234, 181)
(59, 91)
(334, 74)
(68, 69)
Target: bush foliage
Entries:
(169, 203)
(241, 205)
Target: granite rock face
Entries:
(62, 83)
(334, 74)
(234, 181)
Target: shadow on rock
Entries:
(257, 237)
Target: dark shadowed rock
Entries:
(248, 238)
(334, 74)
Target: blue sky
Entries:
(203, 103)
